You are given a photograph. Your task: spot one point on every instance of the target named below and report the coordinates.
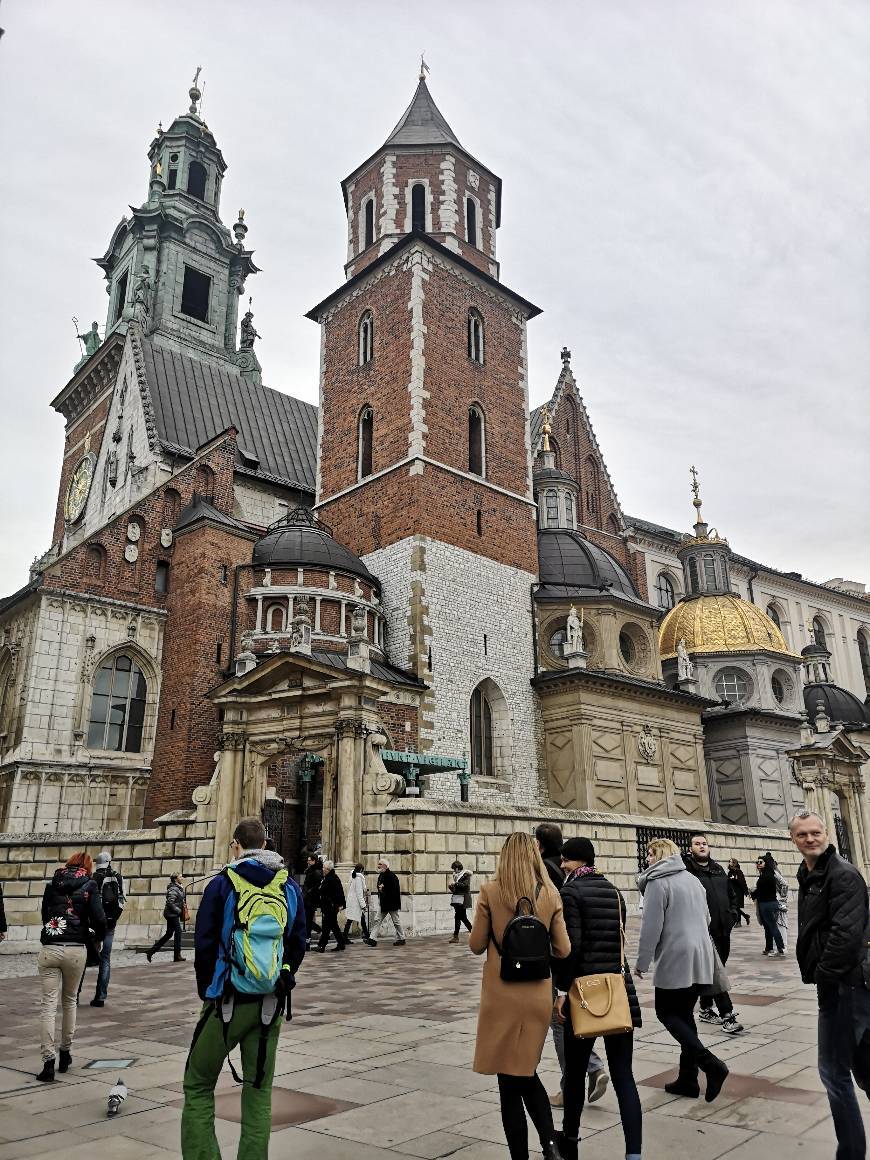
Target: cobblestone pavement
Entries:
(376, 1065)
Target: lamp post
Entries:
(464, 775)
(307, 769)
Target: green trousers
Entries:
(198, 1140)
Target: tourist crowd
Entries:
(552, 927)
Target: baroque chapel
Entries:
(421, 593)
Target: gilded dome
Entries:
(719, 624)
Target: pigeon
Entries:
(117, 1095)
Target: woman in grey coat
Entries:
(675, 936)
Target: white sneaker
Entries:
(730, 1025)
(708, 1015)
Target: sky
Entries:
(685, 196)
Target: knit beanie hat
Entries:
(103, 858)
(579, 850)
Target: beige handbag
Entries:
(599, 1003)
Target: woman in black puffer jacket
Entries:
(72, 918)
(594, 912)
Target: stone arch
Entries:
(489, 731)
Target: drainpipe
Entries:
(752, 576)
(228, 671)
(532, 590)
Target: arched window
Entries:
(666, 595)
(95, 563)
(569, 509)
(196, 179)
(693, 574)
(369, 223)
(418, 207)
(364, 438)
(709, 572)
(366, 338)
(551, 509)
(481, 735)
(819, 633)
(558, 640)
(864, 653)
(773, 614)
(276, 619)
(6, 697)
(204, 482)
(118, 706)
(475, 336)
(470, 221)
(476, 448)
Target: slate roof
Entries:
(385, 672)
(194, 401)
(200, 508)
(422, 123)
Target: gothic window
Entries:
(551, 509)
(365, 437)
(120, 296)
(195, 294)
(275, 618)
(369, 223)
(666, 596)
(476, 450)
(95, 563)
(118, 706)
(196, 178)
(475, 336)
(693, 575)
(418, 207)
(204, 482)
(773, 615)
(819, 633)
(161, 577)
(709, 573)
(732, 685)
(481, 735)
(470, 221)
(366, 338)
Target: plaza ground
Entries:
(376, 1065)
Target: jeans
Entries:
(60, 970)
(519, 1094)
(768, 912)
(207, 1055)
(173, 931)
(460, 917)
(105, 970)
(393, 916)
(675, 1011)
(843, 1018)
(723, 1002)
(619, 1049)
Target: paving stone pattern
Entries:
(377, 1064)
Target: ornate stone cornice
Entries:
(92, 380)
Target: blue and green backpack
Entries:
(252, 935)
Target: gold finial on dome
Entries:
(546, 428)
(703, 533)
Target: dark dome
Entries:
(300, 540)
(566, 560)
(553, 475)
(815, 650)
(842, 707)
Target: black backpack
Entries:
(525, 947)
(110, 893)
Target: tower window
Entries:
(172, 179)
(366, 433)
(693, 575)
(475, 441)
(475, 336)
(470, 221)
(551, 509)
(418, 207)
(774, 615)
(569, 510)
(665, 594)
(120, 296)
(366, 338)
(819, 633)
(369, 223)
(161, 577)
(709, 573)
(195, 294)
(196, 179)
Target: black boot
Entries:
(47, 1073)
(716, 1072)
(65, 1061)
(683, 1086)
(568, 1149)
(149, 954)
(553, 1151)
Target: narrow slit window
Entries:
(120, 296)
(475, 441)
(470, 221)
(475, 336)
(479, 522)
(366, 434)
(161, 577)
(366, 338)
(369, 224)
(418, 207)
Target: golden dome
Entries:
(719, 624)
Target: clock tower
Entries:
(424, 450)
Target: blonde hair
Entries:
(521, 872)
(662, 848)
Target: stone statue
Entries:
(91, 339)
(685, 667)
(248, 332)
(575, 631)
(142, 297)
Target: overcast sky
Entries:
(685, 196)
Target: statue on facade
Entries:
(248, 332)
(685, 667)
(575, 631)
(91, 339)
(142, 297)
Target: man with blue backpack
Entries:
(250, 940)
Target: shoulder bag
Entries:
(599, 1003)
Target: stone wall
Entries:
(421, 839)
(177, 843)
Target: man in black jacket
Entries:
(332, 900)
(723, 914)
(832, 953)
(390, 902)
(111, 886)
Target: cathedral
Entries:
(417, 602)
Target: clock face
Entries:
(79, 486)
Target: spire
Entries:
(700, 526)
(422, 122)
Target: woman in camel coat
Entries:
(514, 1018)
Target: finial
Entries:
(159, 128)
(424, 68)
(546, 428)
(240, 230)
(566, 355)
(696, 492)
(194, 92)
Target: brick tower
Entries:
(424, 450)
